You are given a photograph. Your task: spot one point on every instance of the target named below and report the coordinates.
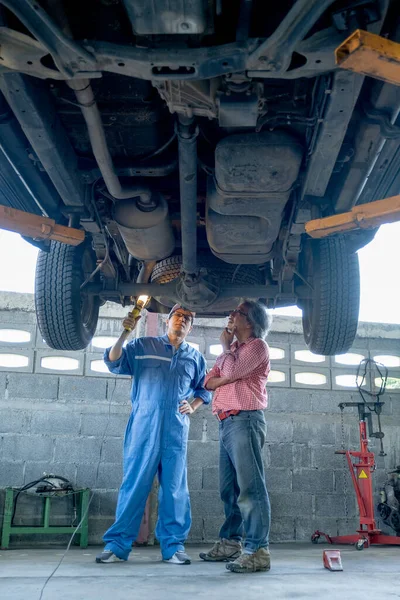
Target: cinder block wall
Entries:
(72, 423)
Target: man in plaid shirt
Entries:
(239, 379)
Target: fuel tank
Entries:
(254, 178)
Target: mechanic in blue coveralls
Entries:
(166, 372)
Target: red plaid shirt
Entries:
(248, 364)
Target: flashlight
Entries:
(140, 304)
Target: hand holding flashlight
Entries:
(130, 322)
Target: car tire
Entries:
(330, 317)
(67, 318)
(169, 269)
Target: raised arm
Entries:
(129, 325)
(116, 357)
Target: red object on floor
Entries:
(361, 475)
(332, 560)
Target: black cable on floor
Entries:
(91, 497)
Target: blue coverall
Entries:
(156, 440)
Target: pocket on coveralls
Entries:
(150, 378)
(186, 372)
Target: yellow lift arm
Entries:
(370, 54)
(37, 227)
(363, 216)
(377, 57)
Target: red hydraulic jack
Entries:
(361, 474)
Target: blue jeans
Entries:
(242, 479)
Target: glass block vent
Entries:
(98, 366)
(310, 378)
(215, 349)
(388, 360)
(15, 336)
(276, 353)
(392, 383)
(59, 363)
(13, 361)
(307, 356)
(276, 377)
(103, 341)
(349, 359)
(348, 380)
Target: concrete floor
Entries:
(296, 572)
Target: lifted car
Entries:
(191, 141)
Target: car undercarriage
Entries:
(191, 141)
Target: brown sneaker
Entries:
(250, 563)
(223, 550)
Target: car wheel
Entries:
(67, 318)
(330, 317)
(169, 269)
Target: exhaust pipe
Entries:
(86, 100)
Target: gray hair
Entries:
(259, 318)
